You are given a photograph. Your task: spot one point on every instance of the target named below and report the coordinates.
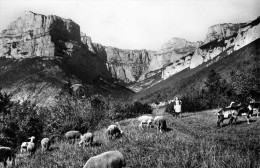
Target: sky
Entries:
(137, 24)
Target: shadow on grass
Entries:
(53, 148)
(97, 144)
(237, 123)
(241, 122)
(168, 129)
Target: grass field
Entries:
(191, 141)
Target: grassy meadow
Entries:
(191, 141)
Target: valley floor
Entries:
(191, 141)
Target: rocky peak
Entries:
(38, 35)
(28, 21)
(87, 41)
(178, 46)
(176, 43)
(221, 31)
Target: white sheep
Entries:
(113, 131)
(46, 143)
(145, 120)
(72, 135)
(5, 153)
(157, 118)
(87, 139)
(24, 147)
(111, 159)
(31, 147)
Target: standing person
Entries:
(177, 107)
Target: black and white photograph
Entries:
(129, 84)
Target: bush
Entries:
(20, 123)
(122, 111)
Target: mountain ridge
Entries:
(54, 38)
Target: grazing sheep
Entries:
(5, 153)
(160, 122)
(157, 118)
(113, 131)
(148, 120)
(87, 139)
(31, 148)
(46, 143)
(111, 159)
(72, 135)
(24, 147)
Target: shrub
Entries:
(122, 111)
(20, 123)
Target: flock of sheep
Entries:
(113, 159)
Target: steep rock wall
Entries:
(36, 35)
(135, 65)
(180, 52)
(125, 65)
(239, 35)
(221, 31)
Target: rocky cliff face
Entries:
(237, 37)
(135, 65)
(220, 38)
(124, 65)
(179, 52)
(221, 31)
(36, 35)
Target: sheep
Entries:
(31, 147)
(72, 135)
(5, 153)
(113, 131)
(157, 118)
(145, 120)
(87, 138)
(112, 159)
(160, 122)
(46, 143)
(24, 147)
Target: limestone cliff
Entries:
(221, 31)
(125, 65)
(220, 39)
(36, 35)
(136, 65)
(179, 52)
(237, 37)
